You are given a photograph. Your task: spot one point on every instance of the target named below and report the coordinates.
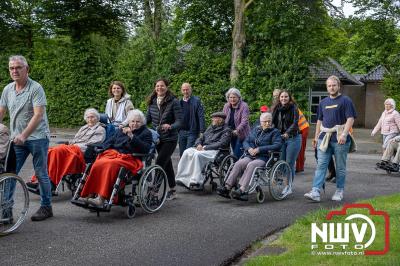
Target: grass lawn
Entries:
(297, 239)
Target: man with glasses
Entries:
(25, 100)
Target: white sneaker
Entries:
(313, 195)
(287, 191)
(338, 196)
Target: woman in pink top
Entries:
(389, 123)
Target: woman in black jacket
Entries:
(165, 114)
(285, 117)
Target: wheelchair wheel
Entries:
(152, 188)
(130, 210)
(279, 177)
(260, 196)
(225, 168)
(13, 212)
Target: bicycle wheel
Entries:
(13, 206)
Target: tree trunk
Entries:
(238, 37)
(157, 18)
(148, 17)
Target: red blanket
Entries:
(62, 160)
(105, 170)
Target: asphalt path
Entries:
(195, 229)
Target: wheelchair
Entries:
(216, 169)
(71, 181)
(148, 189)
(12, 212)
(275, 175)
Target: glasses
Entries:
(268, 121)
(18, 68)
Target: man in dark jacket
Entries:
(193, 160)
(193, 119)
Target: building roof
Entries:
(330, 67)
(376, 74)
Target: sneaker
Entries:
(338, 196)
(43, 213)
(240, 195)
(32, 185)
(287, 191)
(313, 195)
(171, 195)
(223, 192)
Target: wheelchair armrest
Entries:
(142, 155)
(62, 142)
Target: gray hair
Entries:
(265, 115)
(20, 58)
(136, 113)
(233, 91)
(91, 111)
(391, 102)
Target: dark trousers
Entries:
(165, 151)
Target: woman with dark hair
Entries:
(165, 114)
(118, 105)
(285, 117)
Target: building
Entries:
(364, 90)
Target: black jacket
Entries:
(286, 119)
(170, 112)
(215, 137)
(265, 140)
(140, 142)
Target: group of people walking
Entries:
(283, 127)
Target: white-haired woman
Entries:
(136, 138)
(389, 122)
(237, 118)
(68, 158)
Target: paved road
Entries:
(195, 229)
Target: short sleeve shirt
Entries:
(334, 112)
(20, 106)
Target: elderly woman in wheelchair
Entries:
(118, 150)
(257, 146)
(68, 158)
(216, 138)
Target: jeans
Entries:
(186, 140)
(237, 145)
(290, 150)
(38, 148)
(340, 152)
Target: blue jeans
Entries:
(290, 150)
(38, 149)
(340, 152)
(237, 146)
(186, 140)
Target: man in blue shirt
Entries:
(193, 119)
(336, 115)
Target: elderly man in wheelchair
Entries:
(215, 139)
(121, 159)
(257, 146)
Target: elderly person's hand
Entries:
(200, 147)
(253, 152)
(235, 132)
(165, 127)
